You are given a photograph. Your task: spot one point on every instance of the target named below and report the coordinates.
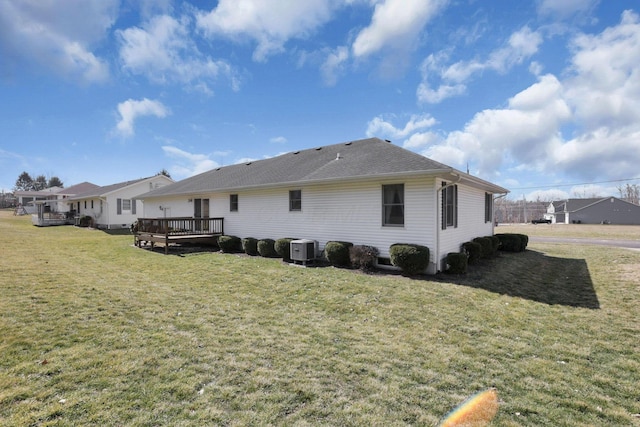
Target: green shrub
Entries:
(337, 253)
(487, 246)
(230, 244)
(495, 243)
(250, 246)
(411, 258)
(283, 248)
(363, 257)
(473, 250)
(457, 263)
(511, 242)
(85, 221)
(266, 249)
(524, 241)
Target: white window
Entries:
(295, 200)
(393, 205)
(449, 206)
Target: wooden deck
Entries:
(177, 230)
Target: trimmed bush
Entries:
(283, 248)
(524, 241)
(85, 221)
(266, 249)
(457, 263)
(411, 258)
(473, 250)
(363, 257)
(250, 246)
(230, 244)
(337, 253)
(495, 243)
(487, 246)
(511, 242)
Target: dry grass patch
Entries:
(95, 331)
(625, 232)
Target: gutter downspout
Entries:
(493, 219)
(106, 209)
(438, 259)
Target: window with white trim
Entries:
(449, 206)
(295, 200)
(393, 205)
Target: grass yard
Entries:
(629, 232)
(94, 331)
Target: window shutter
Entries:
(119, 206)
(455, 206)
(134, 202)
(444, 207)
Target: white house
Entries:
(368, 192)
(115, 206)
(53, 198)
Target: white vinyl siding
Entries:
(120, 208)
(347, 211)
(471, 222)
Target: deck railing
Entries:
(180, 226)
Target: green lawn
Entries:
(94, 331)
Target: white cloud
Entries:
(565, 8)
(131, 109)
(452, 79)
(278, 140)
(605, 88)
(395, 24)
(526, 131)
(444, 91)
(163, 51)
(547, 195)
(188, 164)
(384, 129)
(585, 125)
(334, 65)
(57, 36)
(270, 23)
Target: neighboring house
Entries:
(26, 199)
(607, 210)
(52, 199)
(367, 192)
(115, 206)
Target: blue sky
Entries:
(540, 97)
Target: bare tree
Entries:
(630, 193)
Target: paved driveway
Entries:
(618, 243)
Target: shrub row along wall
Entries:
(410, 258)
(484, 247)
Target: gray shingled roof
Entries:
(101, 191)
(83, 187)
(572, 205)
(350, 160)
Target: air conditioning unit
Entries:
(303, 250)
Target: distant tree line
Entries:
(26, 183)
(630, 193)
